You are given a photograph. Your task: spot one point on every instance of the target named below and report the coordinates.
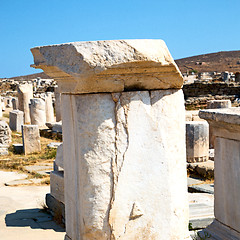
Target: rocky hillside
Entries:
(31, 76)
(220, 62)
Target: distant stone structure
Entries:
(205, 76)
(225, 76)
(213, 104)
(113, 136)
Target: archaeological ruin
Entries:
(124, 139)
(129, 147)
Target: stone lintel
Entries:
(109, 66)
(224, 115)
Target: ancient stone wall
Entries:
(200, 93)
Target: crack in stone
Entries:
(116, 170)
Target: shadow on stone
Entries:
(35, 218)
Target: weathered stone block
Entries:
(197, 141)
(213, 104)
(57, 185)
(109, 66)
(16, 120)
(57, 208)
(31, 139)
(225, 124)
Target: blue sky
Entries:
(188, 27)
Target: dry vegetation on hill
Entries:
(220, 62)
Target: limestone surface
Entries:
(126, 158)
(109, 66)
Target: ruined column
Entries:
(1, 110)
(225, 124)
(124, 139)
(37, 112)
(49, 108)
(25, 93)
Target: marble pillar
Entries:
(124, 146)
(57, 104)
(25, 93)
(37, 112)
